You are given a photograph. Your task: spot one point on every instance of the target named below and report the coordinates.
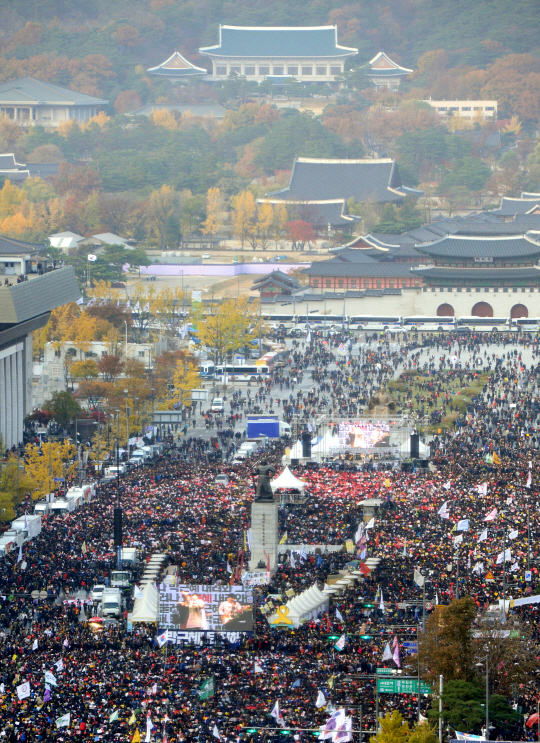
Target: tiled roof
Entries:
(318, 212)
(502, 274)
(9, 246)
(177, 66)
(509, 206)
(362, 180)
(29, 90)
(343, 269)
(271, 42)
(382, 66)
(457, 246)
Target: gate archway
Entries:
(519, 310)
(482, 309)
(445, 310)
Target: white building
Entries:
(307, 54)
(466, 109)
(32, 102)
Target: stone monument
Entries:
(264, 523)
(382, 403)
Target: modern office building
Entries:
(25, 307)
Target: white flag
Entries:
(91, 257)
(329, 729)
(35, 644)
(482, 489)
(458, 540)
(163, 638)
(344, 731)
(293, 561)
(359, 533)
(418, 578)
(59, 665)
(514, 567)
(276, 714)
(64, 721)
(513, 534)
(66, 643)
(381, 604)
(387, 655)
(463, 525)
(504, 556)
(447, 485)
(483, 536)
(215, 733)
(371, 523)
(137, 593)
(443, 511)
(478, 568)
(404, 553)
(529, 479)
(340, 644)
(149, 726)
(321, 700)
(50, 678)
(492, 515)
(396, 656)
(80, 301)
(23, 690)
(19, 556)
(338, 615)
(257, 668)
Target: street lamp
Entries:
(127, 422)
(479, 664)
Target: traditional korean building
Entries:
(354, 270)
(178, 69)
(462, 263)
(528, 204)
(275, 284)
(319, 180)
(308, 54)
(383, 72)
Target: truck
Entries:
(130, 556)
(29, 525)
(61, 507)
(42, 507)
(111, 602)
(121, 578)
(267, 425)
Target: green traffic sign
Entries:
(401, 686)
(385, 671)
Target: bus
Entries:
(424, 322)
(487, 324)
(378, 322)
(527, 324)
(289, 319)
(324, 319)
(241, 372)
(206, 369)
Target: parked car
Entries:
(222, 480)
(217, 405)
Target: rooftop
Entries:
(27, 90)
(358, 268)
(278, 42)
(382, 66)
(461, 246)
(511, 206)
(29, 299)
(500, 274)
(177, 66)
(9, 246)
(314, 179)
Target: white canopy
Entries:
(303, 607)
(147, 608)
(288, 481)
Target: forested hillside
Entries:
(96, 45)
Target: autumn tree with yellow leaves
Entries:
(226, 326)
(214, 210)
(161, 207)
(43, 464)
(243, 214)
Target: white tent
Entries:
(287, 481)
(303, 607)
(147, 608)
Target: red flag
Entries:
(364, 569)
(533, 719)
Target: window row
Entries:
(366, 284)
(295, 70)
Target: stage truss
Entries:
(399, 426)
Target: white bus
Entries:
(378, 322)
(285, 319)
(487, 324)
(426, 323)
(324, 319)
(241, 372)
(527, 324)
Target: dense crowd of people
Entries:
(115, 681)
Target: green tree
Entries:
(64, 407)
(462, 705)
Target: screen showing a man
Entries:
(200, 608)
(233, 615)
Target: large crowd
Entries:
(116, 680)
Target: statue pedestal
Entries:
(264, 536)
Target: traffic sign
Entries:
(386, 671)
(401, 686)
(528, 575)
(429, 605)
(490, 578)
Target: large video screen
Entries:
(222, 609)
(364, 434)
